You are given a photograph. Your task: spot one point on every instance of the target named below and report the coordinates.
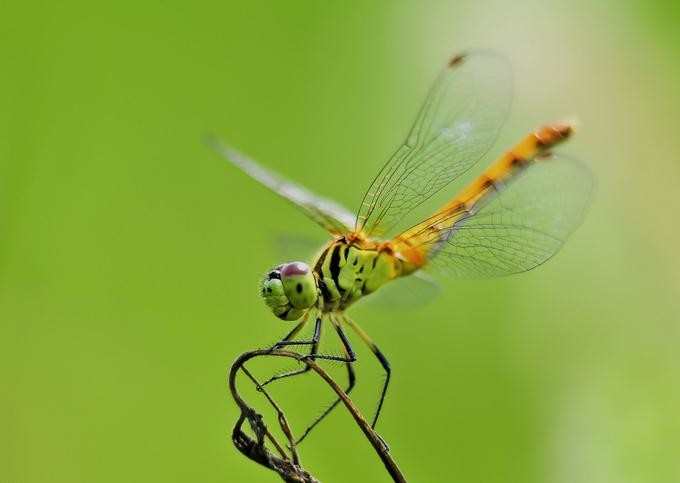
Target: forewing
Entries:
(296, 246)
(327, 213)
(520, 227)
(456, 126)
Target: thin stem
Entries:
(289, 468)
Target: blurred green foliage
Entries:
(130, 254)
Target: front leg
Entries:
(287, 338)
(349, 352)
(314, 342)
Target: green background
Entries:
(130, 254)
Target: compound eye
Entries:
(299, 284)
(293, 269)
(274, 274)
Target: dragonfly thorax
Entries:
(289, 290)
(346, 271)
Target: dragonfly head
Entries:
(289, 290)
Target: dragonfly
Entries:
(511, 218)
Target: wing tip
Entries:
(457, 59)
(211, 140)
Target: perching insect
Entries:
(512, 218)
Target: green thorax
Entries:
(346, 273)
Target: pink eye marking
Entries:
(294, 268)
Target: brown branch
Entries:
(288, 467)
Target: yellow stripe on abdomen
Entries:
(415, 244)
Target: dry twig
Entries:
(285, 464)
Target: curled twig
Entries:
(288, 465)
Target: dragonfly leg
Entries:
(351, 377)
(349, 352)
(292, 333)
(314, 342)
(383, 362)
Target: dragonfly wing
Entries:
(330, 215)
(456, 126)
(295, 246)
(520, 226)
(405, 294)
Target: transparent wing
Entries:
(295, 246)
(520, 227)
(327, 213)
(456, 126)
(405, 294)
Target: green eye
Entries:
(288, 313)
(299, 284)
(289, 290)
(301, 290)
(273, 293)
